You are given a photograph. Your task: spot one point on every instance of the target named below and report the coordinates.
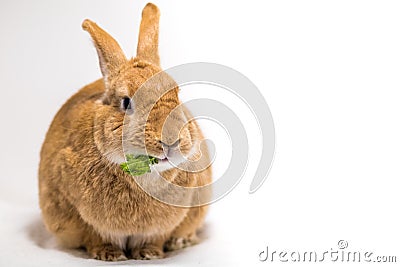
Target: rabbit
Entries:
(86, 199)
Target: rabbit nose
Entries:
(167, 148)
(164, 144)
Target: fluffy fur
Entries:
(86, 199)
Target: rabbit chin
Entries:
(169, 163)
(163, 165)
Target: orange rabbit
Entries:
(86, 199)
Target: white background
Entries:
(329, 71)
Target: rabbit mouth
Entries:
(163, 159)
(167, 162)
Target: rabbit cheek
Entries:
(107, 137)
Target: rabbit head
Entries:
(139, 111)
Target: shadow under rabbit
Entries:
(38, 233)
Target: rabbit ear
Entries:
(147, 48)
(109, 52)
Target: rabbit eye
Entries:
(126, 104)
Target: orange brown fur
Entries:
(86, 199)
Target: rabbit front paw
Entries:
(147, 253)
(107, 253)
